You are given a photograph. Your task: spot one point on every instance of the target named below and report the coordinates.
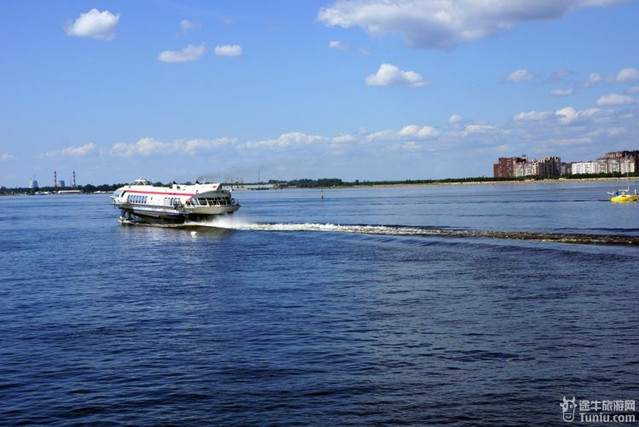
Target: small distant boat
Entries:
(623, 195)
(142, 201)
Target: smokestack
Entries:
(73, 179)
(55, 179)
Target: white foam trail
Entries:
(334, 228)
(426, 231)
(242, 224)
(231, 223)
(227, 222)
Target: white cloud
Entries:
(443, 24)
(187, 25)
(562, 92)
(194, 146)
(286, 140)
(228, 50)
(337, 45)
(534, 132)
(568, 115)
(633, 89)
(381, 135)
(531, 116)
(405, 134)
(481, 128)
(81, 151)
(342, 138)
(95, 24)
(615, 99)
(420, 132)
(144, 147)
(6, 157)
(593, 79)
(628, 75)
(391, 75)
(189, 53)
(150, 146)
(454, 119)
(519, 76)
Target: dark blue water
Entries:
(359, 309)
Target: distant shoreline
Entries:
(514, 181)
(103, 189)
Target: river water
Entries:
(467, 305)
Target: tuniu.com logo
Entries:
(598, 411)
(568, 409)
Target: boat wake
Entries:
(399, 230)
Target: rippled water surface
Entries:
(421, 305)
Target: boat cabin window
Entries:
(214, 201)
(172, 201)
(136, 198)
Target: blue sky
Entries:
(352, 89)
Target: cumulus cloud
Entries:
(337, 45)
(187, 25)
(628, 75)
(536, 132)
(81, 151)
(143, 147)
(150, 146)
(381, 135)
(419, 132)
(481, 128)
(615, 99)
(405, 134)
(343, 138)
(531, 115)
(6, 157)
(593, 79)
(286, 140)
(443, 24)
(625, 75)
(454, 119)
(568, 115)
(189, 53)
(228, 50)
(194, 146)
(391, 75)
(94, 24)
(519, 76)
